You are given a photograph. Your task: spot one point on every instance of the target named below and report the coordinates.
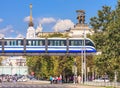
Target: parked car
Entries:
(23, 79)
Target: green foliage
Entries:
(56, 35)
(1, 60)
(107, 41)
(44, 66)
(100, 23)
(110, 87)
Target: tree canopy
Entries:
(108, 40)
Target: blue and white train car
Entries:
(47, 45)
(56, 45)
(35, 45)
(77, 45)
(12, 45)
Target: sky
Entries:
(53, 15)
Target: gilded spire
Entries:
(30, 20)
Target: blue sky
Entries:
(50, 13)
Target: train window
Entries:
(20, 42)
(75, 42)
(41, 42)
(63, 43)
(0, 43)
(7, 42)
(29, 43)
(13, 42)
(88, 43)
(57, 42)
(50, 43)
(35, 42)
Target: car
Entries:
(23, 79)
(101, 80)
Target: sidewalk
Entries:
(83, 86)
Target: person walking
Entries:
(51, 79)
(60, 78)
(79, 79)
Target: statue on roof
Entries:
(81, 16)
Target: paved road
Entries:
(30, 85)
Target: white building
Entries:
(14, 65)
(30, 32)
(79, 30)
(14, 61)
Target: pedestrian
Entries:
(60, 78)
(14, 80)
(79, 79)
(51, 79)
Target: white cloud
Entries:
(2, 35)
(7, 29)
(47, 20)
(1, 20)
(26, 19)
(62, 25)
(20, 36)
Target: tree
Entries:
(100, 23)
(108, 41)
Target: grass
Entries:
(110, 87)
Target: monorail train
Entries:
(47, 45)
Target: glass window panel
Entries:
(40, 43)
(88, 42)
(51, 42)
(43, 42)
(62, 43)
(14, 42)
(37, 43)
(33, 43)
(19, 42)
(29, 43)
(8, 43)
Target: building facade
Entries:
(14, 65)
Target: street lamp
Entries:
(83, 60)
(84, 56)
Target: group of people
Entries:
(8, 78)
(56, 80)
(77, 79)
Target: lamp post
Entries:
(82, 70)
(84, 59)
